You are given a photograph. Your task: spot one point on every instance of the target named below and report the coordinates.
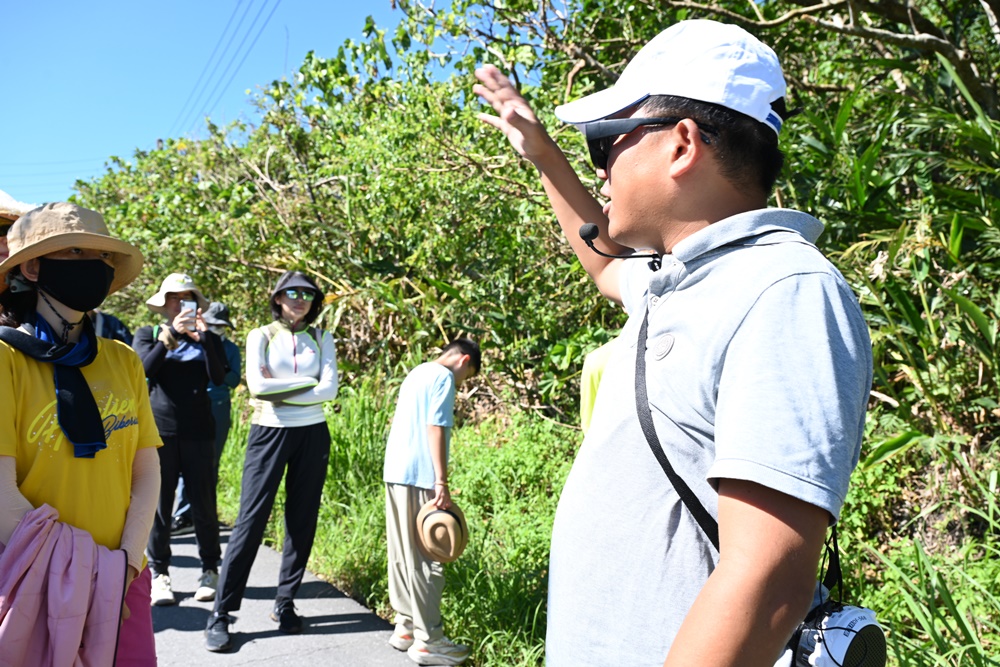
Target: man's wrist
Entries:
(549, 157)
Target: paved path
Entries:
(338, 631)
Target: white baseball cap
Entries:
(701, 60)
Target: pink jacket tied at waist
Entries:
(60, 595)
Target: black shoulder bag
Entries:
(859, 640)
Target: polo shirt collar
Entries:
(745, 225)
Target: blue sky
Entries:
(82, 81)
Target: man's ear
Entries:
(688, 148)
(465, 364)
(30, 269)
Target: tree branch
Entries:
(992, 10)
(825, 6)
(927, 43)
(926, 37)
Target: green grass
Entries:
(940, 605)
(506, 476)
(925, 558)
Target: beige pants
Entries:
(415, 583)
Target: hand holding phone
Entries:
(187, 318)
(191, 306)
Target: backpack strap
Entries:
(272, 329)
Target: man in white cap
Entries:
(752, 377)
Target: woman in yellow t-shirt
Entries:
(88, 450)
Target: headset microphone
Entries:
(590, 231)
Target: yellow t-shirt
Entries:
(91, 494)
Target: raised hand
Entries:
(514, 117)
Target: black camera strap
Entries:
(709, 525)
(707, 522)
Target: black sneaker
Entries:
(284, 615)
(217, 637)
(181, 525)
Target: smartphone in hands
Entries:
(191, 306)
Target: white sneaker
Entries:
(161, 593)
(440, 652)
(402, 637)
(207, 584)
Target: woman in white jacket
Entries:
(292, 370)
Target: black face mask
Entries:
(81, 284)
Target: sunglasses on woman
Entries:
(296, 294)
(602, 134)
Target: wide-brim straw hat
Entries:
(60, 226)
(442, 535)
(176, 283)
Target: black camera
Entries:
(837, 635)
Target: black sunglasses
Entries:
(602, 134)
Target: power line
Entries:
(252, 44)
(17, 165)
(193, 114)
(45, 174)
(204, 69)
(210, 108)
(21, 189)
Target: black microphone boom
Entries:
(589, 232)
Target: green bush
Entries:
(506, 476)
(370, 170)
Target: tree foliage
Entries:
(370, 171)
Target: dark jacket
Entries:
(178, 389)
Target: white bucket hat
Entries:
(700, 60)
(11, 209)
(176, 283)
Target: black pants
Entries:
(195, 459)
(305, 450)
(223, 422)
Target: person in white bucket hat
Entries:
(182, 357)
(728, 301)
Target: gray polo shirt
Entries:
(758, 366)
